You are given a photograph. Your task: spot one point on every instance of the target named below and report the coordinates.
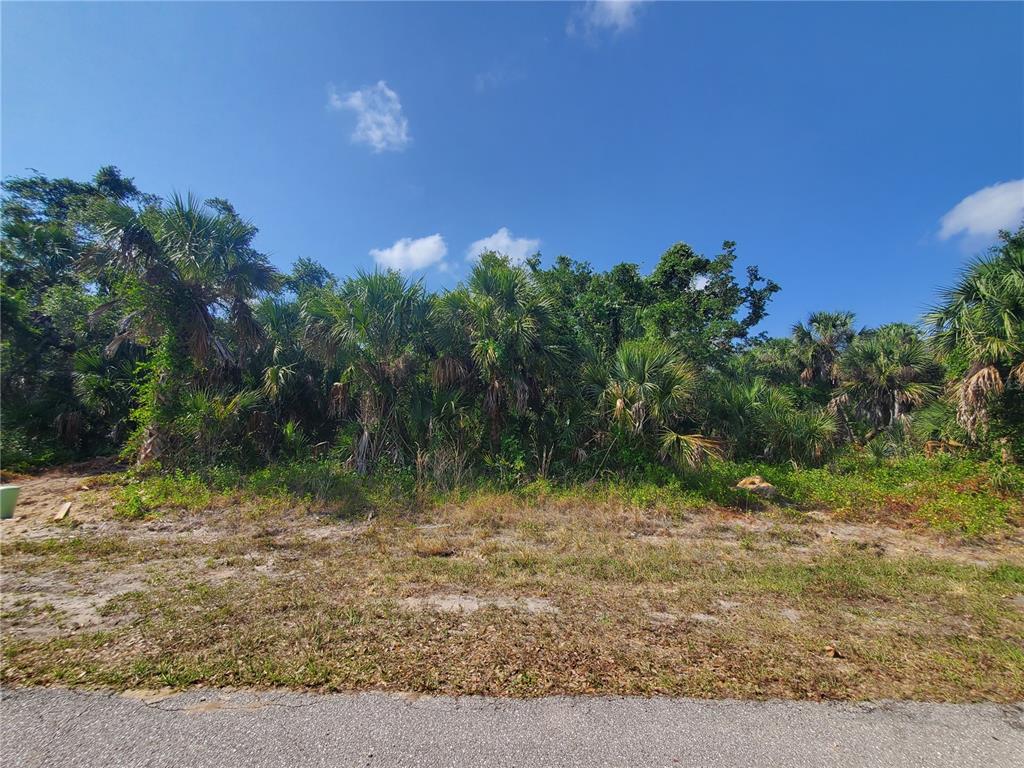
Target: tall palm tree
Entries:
(820, 341)
(981, 322)
(646, 392)
(494, 336)
(187, 274)
(887, 372)
(196, 266)
(370, 329)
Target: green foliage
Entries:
(48, 326)
(323, 484)
(647, 389)
(979, 329)
(937, 421)
(293, 440)
(954, 495)
(508, 465)
(820, 342)
(1009, 575)
(888, 372)
(757, 420)
(372, 331)
(958, 496)
(20, 453)
(495, 340)
(693, 300)
(1006, 478)
(158, 329)
(895, 441)
(308, 275)
(142, 496)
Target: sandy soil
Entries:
(50, 603)
(43, 495)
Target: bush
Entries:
(321, 483)
(145, 495)
(19, 453)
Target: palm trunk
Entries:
(495, 432)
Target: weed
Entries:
(257, 601)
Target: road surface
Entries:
(53, 728)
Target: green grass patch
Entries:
(332, 488)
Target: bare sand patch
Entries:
(44, 607)
(452, 603)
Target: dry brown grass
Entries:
(496, 596)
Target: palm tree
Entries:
(494, 336)
(820, 341)
(370, 329)
(186, 275)
(290, 380)
(791, 433)
(104, 387)
(979, 329)
(645, 395)
(730, 403)
(887, 372)
(764, 421)
(197, 266)
(215, 424)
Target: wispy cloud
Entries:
(502, 241)
(379, 119)
(410, 254)
(484, 81)
(981, 215)
(596, 16)
(496, 77)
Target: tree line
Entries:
(154, 328)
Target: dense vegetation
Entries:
(154, 328)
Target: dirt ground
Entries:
(598, 599)
(88, 485)
(42, 497)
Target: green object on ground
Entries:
(8, 498)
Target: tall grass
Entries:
(957, 496)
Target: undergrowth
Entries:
(958, 496)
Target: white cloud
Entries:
(334, 101)
(380, 122)
(984, 213)
(502, 241)
(603, 15)
(408, 254)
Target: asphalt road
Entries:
(222, 729)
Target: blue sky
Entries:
(852, 150)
